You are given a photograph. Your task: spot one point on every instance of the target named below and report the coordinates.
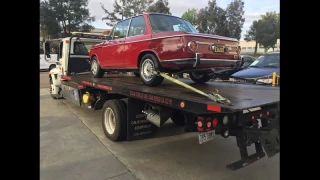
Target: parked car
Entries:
(261, 70)
(225, 74)
(157, 42)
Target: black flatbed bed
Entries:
(242, 96)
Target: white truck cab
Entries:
(73, 51)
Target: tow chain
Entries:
(215, 96)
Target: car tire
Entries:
(114, 119)
(50, 90)
(200, 78)
(96, 70)
(148, 65)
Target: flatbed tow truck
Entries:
(133, 111)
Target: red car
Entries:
(153, 42)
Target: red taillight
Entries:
(268, 113)
(200, 124)
(215, 122)
(209, 124)
(252, 117)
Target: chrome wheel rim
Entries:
(147, 70)
(109, 120)
(94, 67)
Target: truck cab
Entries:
(72, 55)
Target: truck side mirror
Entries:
(46, 49)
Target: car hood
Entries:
(253, 72)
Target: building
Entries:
(248, 47)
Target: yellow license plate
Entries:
(219, 49)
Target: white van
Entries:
(47, 65)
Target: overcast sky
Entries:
(253, 9)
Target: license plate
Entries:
(206, 136)
(219, 49)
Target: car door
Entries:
(136, 41)
(112, 55)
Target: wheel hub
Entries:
(147, 70)
(94, 67)
(110, 120)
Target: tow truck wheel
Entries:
(148, 66)
(51, 82)
(114, 118)
(177, 118)
(200, 77)
(96, 70)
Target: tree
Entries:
(235, 20)
(201, 21)
(253, 35)
(190, 15)
(125, 9)
(161, 6)
(49, 26)
(265, 31)
(70, 15)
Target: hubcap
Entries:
(147, 70)
(94, 67)
(109, 121)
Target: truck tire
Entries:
(114, 117)
(50, 82)
(177, 118)
(96, 70)
(148, 65)
(200, 78)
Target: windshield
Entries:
(267, 60)
(161, 23)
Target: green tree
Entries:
(49, 26)
(253, 35)
(265, 31)
(202, 21)
(161, 6)
(235, 20)
(190, 15)
(71, 15)
(123, 9)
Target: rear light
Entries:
(225, 120)
(193, 46)
(200, 123)
(215, 122)
(208, 124)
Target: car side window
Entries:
(121, 29)
(137, 27)
(248, 60)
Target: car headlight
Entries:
(267, 81)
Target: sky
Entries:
(252, 9)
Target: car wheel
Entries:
(148, 66)
(96, 70)
(52, 66)
(200, 77)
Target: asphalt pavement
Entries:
(73, 146)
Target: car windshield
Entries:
(267, 60)
(161, 23)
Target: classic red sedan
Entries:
(153, 42)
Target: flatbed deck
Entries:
(242, 96)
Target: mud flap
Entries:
(271, 142)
